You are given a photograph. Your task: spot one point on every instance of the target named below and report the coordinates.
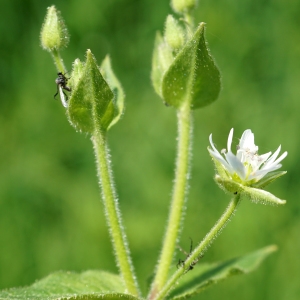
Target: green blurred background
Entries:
(51, 216)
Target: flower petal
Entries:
(271, 162)
(263, 172)
(229, 141)
(219, 158)
(247, 142)
(236, 166)
(274, 156)
(263, 158)
(247, 164)
(216, 154)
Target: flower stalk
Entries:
(58, 61)
(112, 213)
(202, 247)
(178, 198)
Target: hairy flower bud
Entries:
(182, 6)
(54, 33)
(174, 33)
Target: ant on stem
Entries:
(181, 263)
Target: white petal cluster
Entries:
(246, 166)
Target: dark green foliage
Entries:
(89, 285)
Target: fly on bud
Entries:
(61, 82)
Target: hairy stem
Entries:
(202, 247)
(58, 61)
(113, 216)
(178, 198)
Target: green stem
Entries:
(178, 198)
(58, 61)
(190, 21)
(202, 247)
(113, 216)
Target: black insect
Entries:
(61, 82)
(181, 263)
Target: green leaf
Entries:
(91, 103)
(115, 85)
(206, 275)
(193, 75)
(69, 285)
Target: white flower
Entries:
(247, 166)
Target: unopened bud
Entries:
(174, 33)
(182, 6)
(54, 33)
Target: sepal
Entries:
(269, 178)
(77, 72)
(161, 60)
(262, 196)
(91, 104)
(220, 170)
(254, 194)
(116, 87)
(189, 75)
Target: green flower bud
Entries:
(54, 33)
(91, 105)
(182, 6)
(189, 74)
(192, 76)
(161, 61)
(77, 72)
(174, 34)
(116, 87)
